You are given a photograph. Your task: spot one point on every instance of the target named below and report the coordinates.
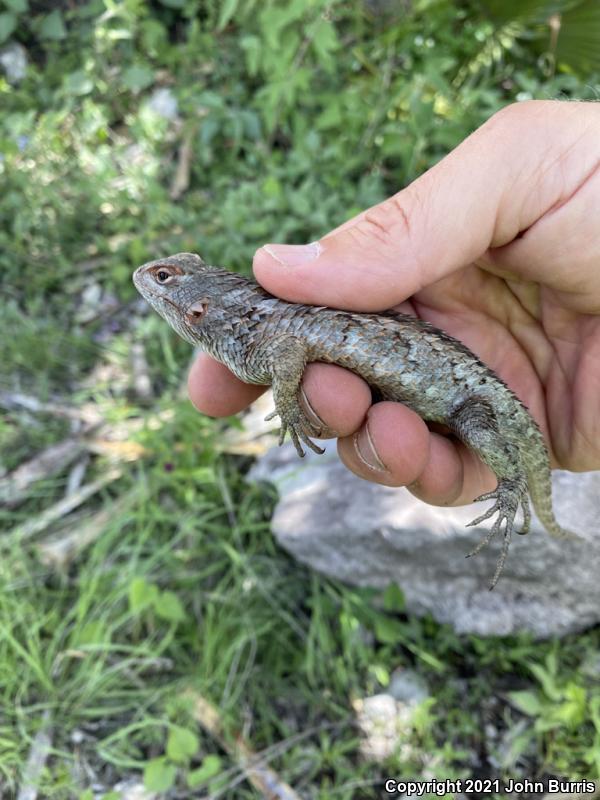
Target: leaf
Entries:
(141, 594)
(168, 606)
(380, 673)
(202, 475)
(271, 187)
(78, 83)
(8, 22)
(52, 26)
(388, 631)
(173, 3)
(228, 9)
(527, 702)
(325, 42)
(393, 598)
(159, 775)
(211, 766)
(579, 36)
(18, 6)
(548, 682)
(137, 77)
(252, 47)
(182, 744)
(93, 632)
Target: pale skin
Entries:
(499, 245)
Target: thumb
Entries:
(477, 197)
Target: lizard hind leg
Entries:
(509, 495)
(476, 424)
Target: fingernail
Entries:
(365, 450)
(294, 255)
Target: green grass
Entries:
(297, 119)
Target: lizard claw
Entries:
(509, 494)
(299, 428)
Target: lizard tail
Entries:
(539, 480)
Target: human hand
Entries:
(499, 245)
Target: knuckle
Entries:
(390, 221)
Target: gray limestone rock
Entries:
(13, 62)
(164, 103)
(371, 535)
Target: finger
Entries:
(494, 185)
(335, 400)
(215, 391)
(395, 448)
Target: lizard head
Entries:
(197, 300)
(173, 286)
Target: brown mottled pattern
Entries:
(265, 340)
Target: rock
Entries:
(164, 103)
(371, 535)
(13, 60)
(386, 727)
(407, 686)
(133, 789)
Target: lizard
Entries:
(265, 340)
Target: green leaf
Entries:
(202, 475)
(8, 22)
(228, 9)
(325, 42)
(93, 632)
(159, 775)
(527, 702)
(18, 6)
(388, 630)
(168, 606)
(380, 673)
(182, 744)
(52, 26)
(78, 83)
(173, 3)
(137, 77)
(393, 598)
(211, 766)
(548, 681)
(578, 40)
(141, 594)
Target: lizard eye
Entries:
(162, 276)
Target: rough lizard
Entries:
(264, 340)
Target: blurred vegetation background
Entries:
(148, 623)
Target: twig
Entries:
(181, 179)
(142, 384)
(38, 753)
(15, 487)
(38, 524)
(262, 777)
(87, 413)
(77, 474)
(61, 550)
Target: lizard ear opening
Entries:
(196, 311)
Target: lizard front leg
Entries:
(475, 423)
(286, 360)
